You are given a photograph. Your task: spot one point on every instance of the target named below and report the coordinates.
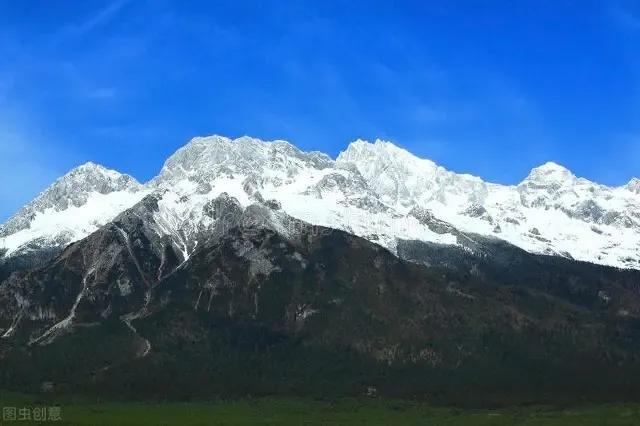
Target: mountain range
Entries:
(254, 267)
(376, 191)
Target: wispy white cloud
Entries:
(99, 18)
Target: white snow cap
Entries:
(370, 190)
(634, 185)
(550, 172)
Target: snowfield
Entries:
(372, 190)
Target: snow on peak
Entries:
(572, 215)
(552, 166)
(73, 187)
(401, 178)
(73, 206)
(97, 171)
(550, 172)
(205, 158)
(360, 148)
(90, 166)
(634, 185)
(370, 190)
(73, 190)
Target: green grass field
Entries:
(280, 411)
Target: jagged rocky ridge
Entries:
(377, 191)
(550, 212)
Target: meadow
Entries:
(294, 411)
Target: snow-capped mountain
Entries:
(74, 206)
(550, 212)
(374, 190)
(308, 186)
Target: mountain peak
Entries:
(208, 139)
(391, 147)
(634, 185)
(550, 172)
(378, 143)
(91, 168)
(361, 149)
(95, 177)
(72, 189)
(204, 159)
(89, 165)
(551, 166)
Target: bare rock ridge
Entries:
(371, 190)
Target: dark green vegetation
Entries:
(296, 411)
(257, 311)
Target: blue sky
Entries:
(484, 87)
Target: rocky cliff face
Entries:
(369, 191)
(268, 303)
